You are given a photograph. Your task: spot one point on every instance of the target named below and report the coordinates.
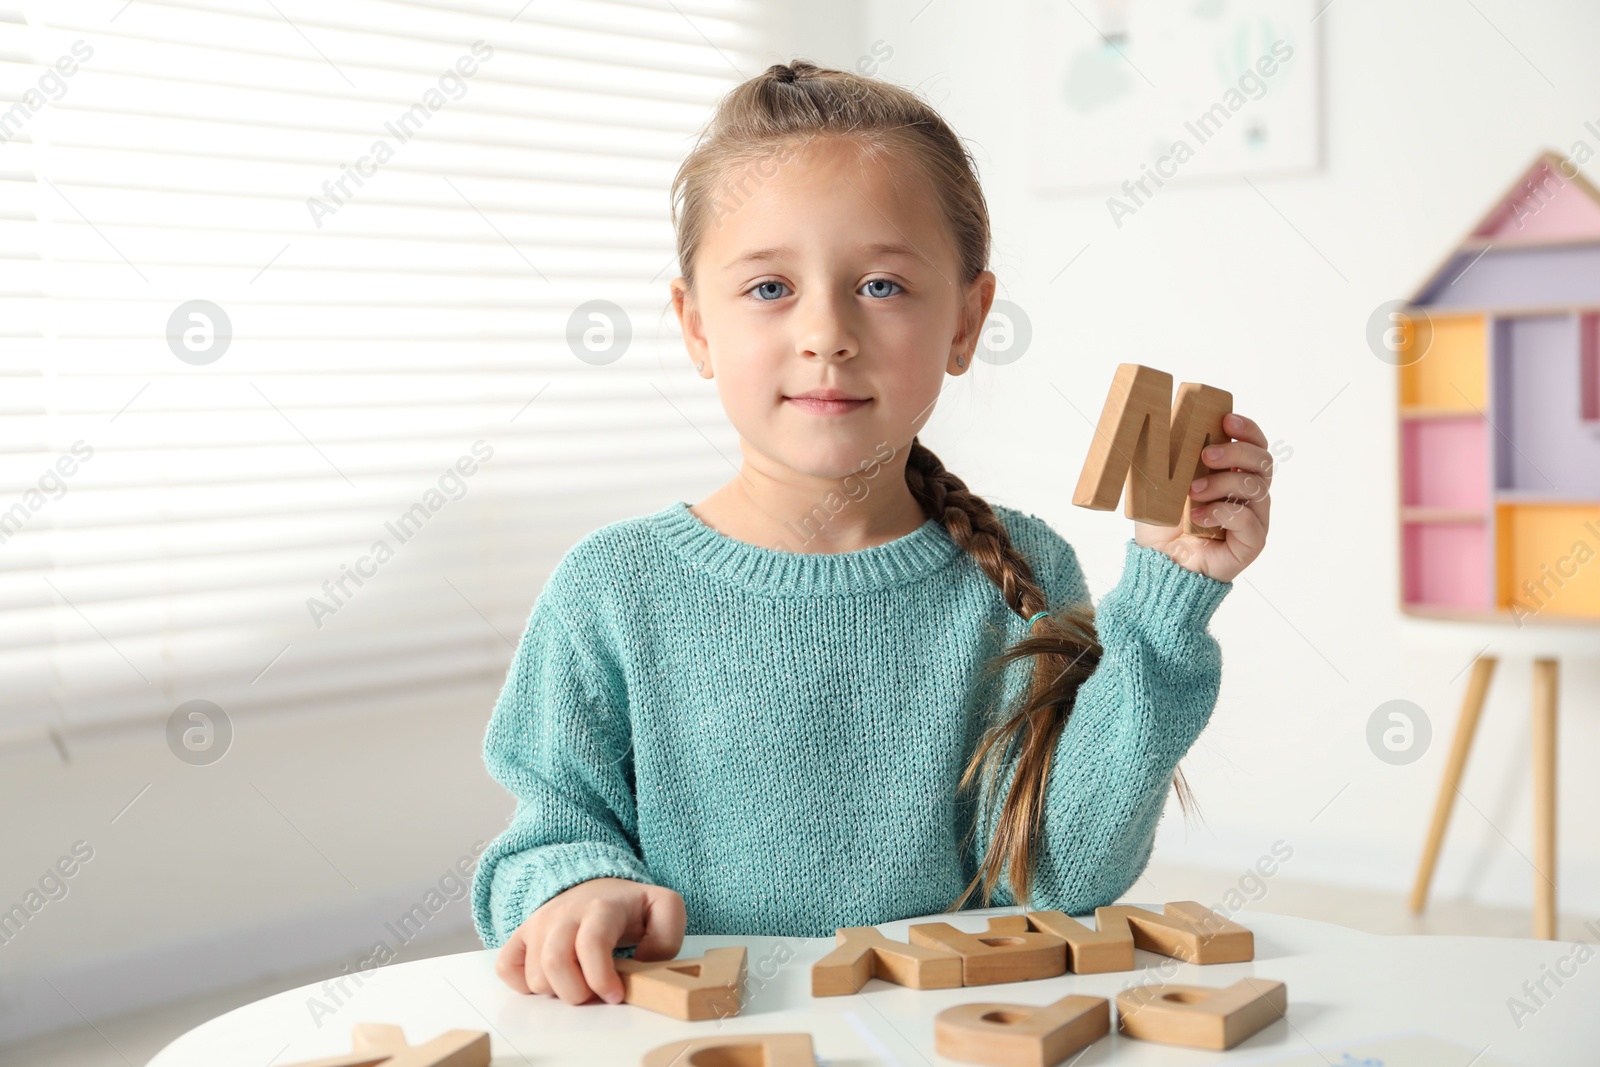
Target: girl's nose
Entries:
(823, 330)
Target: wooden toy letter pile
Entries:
(1045, 944)
(936, 955)
(1153, 446)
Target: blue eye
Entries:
(881, 281)
(763, 285)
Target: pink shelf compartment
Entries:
(1445, 463)
(1447, 565)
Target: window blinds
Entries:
(327, 328)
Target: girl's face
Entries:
(819, 270)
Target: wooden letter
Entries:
(707, 987)
(1188, 931)
(863, 952)
(1020, 1035)
(376, 1044)
(1088, 951)
(735, 1050)
(1152, 446)
(1006, 952)
(1200, 1017)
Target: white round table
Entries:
(1347, 990)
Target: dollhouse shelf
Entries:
(1499, 414)
(1499, 422)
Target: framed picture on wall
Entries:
(1128, 95)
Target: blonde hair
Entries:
(762, 120)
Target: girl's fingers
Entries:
(1247, 452)
(559, 961)
(1237, 485)
(1244, 429)
(1240, 454)
(1245, 527)
(1261, 506)
(602, 928)
(1232, 489)
(510, 960)
(533, 970)
(664, 925)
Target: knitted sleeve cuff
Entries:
(524, 881)
(1158, 598)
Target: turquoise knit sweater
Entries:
(777, 736)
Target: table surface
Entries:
(1346, 988)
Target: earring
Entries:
(960, 362)
(701, 365)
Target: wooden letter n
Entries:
(1152, 446)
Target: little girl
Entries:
(764, 713)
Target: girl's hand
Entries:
(1237, 499)
(565, 946)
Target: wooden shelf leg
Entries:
(1544, 799)
(1466, 728)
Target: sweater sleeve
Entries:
(560, 741)
(1149, 697)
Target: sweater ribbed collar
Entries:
(906, 559)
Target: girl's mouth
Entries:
(826, 407)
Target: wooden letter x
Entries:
(863, 952)
(1152, 446)
(382, 1045)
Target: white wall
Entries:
(1429, 114)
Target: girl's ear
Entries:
(974, 313)
(694, 338)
